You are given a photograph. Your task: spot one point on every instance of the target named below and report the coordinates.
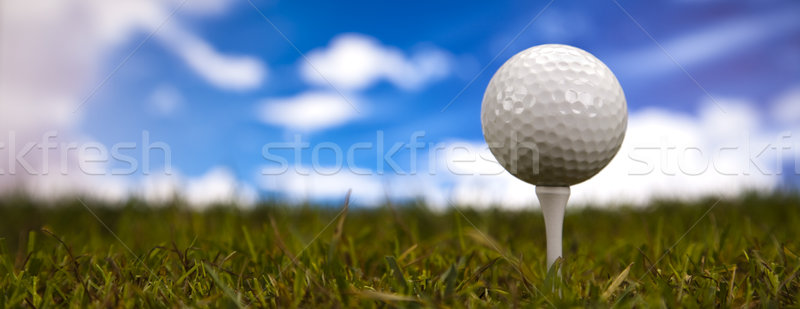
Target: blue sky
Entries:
(744, 53)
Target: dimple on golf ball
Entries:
(554, 115)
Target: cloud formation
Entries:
(309, 111)
(217, 186)
(665, 155)
(54, 54)
(351, 63)
(227, 72)
(301, 183)
(356, 61)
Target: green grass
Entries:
(743, 252)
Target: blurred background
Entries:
(217, 101)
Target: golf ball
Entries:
(554, 115)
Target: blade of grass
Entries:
(387, 297)
(449, 278)
(478, 273)
(399, 278)
(233, 296)
(615, 284)
(250, 248)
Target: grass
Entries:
(741, 253)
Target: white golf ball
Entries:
(554, 115)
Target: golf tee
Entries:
(553, 201)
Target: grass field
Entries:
(740, 253)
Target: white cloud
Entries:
(356, 61)
(310, 111)
(218, 186)
(160, 187)
(299, 184)
(224, 71)
(56, 186)
(352, 62)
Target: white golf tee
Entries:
(554, 202)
